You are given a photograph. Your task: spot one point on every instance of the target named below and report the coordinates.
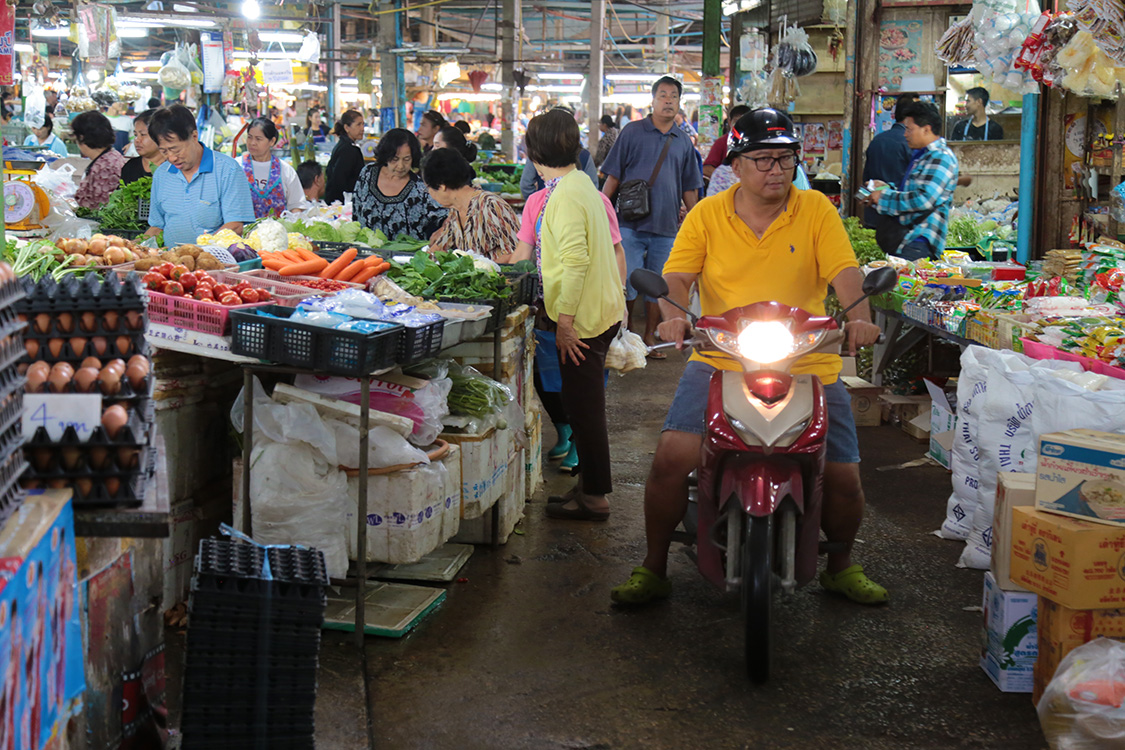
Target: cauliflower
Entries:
(270, 236)
(298, 241)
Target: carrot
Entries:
(293, 256)
(332, 269)
(274, 264)
(304, 268)
(306, 254)
(373, 260)
(350, 271)
(363, 276)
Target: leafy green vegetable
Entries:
(352, 231)
(41, 258)
(863, 241)
(963, 232)
(120, 211)
(446, 275)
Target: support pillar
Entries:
(597, 73)
(1029, 127)
(712, 37)
(393, 113)
(510, 100)
(336, 44)
(427, 31)
(662, 44)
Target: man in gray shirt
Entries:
(649, 241)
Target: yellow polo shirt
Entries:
(792, 263)
(580, 275)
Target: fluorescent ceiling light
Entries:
(244, 55)
(492, 87)
(138, 76)
(643, 77)
(22, 47)
(144, 64)
(556, 89)
(348, 81)
(474, 97)
(559, 76)
(185, 9)
(59, 31)
(251, 9)
(130, 32)
(304, 87)
(156, 23)
(294, 37)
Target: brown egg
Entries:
(65, 322)
(124, 345)
(70, 456)
(21, 368)
(35, 380)
(118, 365)
(127, 457)
(57, 484)
(92, 362)
(41, 457)
(136, 376)
(55, 347)
(112, 486)
(89, 320)
(85, 379)
(134, 319)
(113, 419)
(31, 484)
(78, 345)
(43, 322)
(32, 346)
(99, 455)
(58, 382)
(84, 487)
(111, 381)
(100, 345)
(63, 368)
(110, 320)
(139, 360)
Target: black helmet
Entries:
(761, 128)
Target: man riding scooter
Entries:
(760, 240)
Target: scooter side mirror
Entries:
(880, 281)
(648, 283)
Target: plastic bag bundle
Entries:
(1105, 21)
(957, 45)
(1089, 71)
(794, 54)
(174, 75)
(835, 12)
(783, 89)
(1058, 33)
(1001, 30)
(1081, 709)
(626, 352)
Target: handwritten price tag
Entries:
(57, 411)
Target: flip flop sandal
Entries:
(643, 587)
(656, 355)
(852, 583)
(570, 495)
(578, 513)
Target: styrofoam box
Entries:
(179, 550)
(405, 512)
(511, 504)
(533, 457)
(484, 468)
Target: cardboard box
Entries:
(1012, 491)
(179, 548)
(910, 413)
(943, 424)
(1075, 563)
(866, 409)
(1010, 644)
(1081, 473)
(1061, 630)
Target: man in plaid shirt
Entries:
(923, 200)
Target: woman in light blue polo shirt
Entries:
(197, 191)
(45, 136)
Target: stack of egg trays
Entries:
(100, 471)
(12, 462)
(252, 646)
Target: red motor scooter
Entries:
(761, 471)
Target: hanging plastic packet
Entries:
(794, 54)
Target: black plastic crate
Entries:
(523, 287)
(128, 234)
(330, 251)
(88, 293)
(288, 564)
(266, 333)
(420, 343)
(500, 309)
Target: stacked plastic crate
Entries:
(252, 646)
(12, 381)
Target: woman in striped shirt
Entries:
(478, 221)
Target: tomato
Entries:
(153, 280)
(178, 271)
(174, 288)
(248, 295)
(189, 280)
(264, 295)
(204, 294)
(230, 299)
(242, 286)
(221, 289)
(165, 269)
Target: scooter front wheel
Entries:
(757, 595)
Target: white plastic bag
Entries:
(1063, 405)
(626, 352)
(971, 386)
(300, 498)
(310, 49)
(1081, 708)
(35, 108)
(58, 181)
(385, 447)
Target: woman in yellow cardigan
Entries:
(583, 293)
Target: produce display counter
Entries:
(902, 333)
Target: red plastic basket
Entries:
(284, 293)
(193, 314)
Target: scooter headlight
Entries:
(765, 341)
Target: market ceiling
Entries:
(556, 32)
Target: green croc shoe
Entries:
(852, 583)
(643, 587)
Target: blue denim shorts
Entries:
(688, 412)
(644, 250)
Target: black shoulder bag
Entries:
(634, 200)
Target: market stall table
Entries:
(900, 334)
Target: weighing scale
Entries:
(25, 204)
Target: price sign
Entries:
(214, 61)
(57, 411)
(276, 72)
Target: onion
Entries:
(97, 246)
(115, 241)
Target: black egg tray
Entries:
(11, 293)
(295, 607)
(127, 392)
(10, 321)
(223, 557)
(238, 722)
(11, 350)
(200, 732)
(88, 293)
(137, 345)
(134, 434)
(11, 381)
(245, 696)
(230, 588)
(225, 661)
(289, 628)
(219, 631)
(11, 426)
(130, 493)
(218, 741)
(55, 329)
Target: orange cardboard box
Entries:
(1078, 564)
(1061, 630)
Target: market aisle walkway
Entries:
(528, 653)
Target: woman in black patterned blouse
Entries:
(390, 197)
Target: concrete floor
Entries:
(528, 652)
